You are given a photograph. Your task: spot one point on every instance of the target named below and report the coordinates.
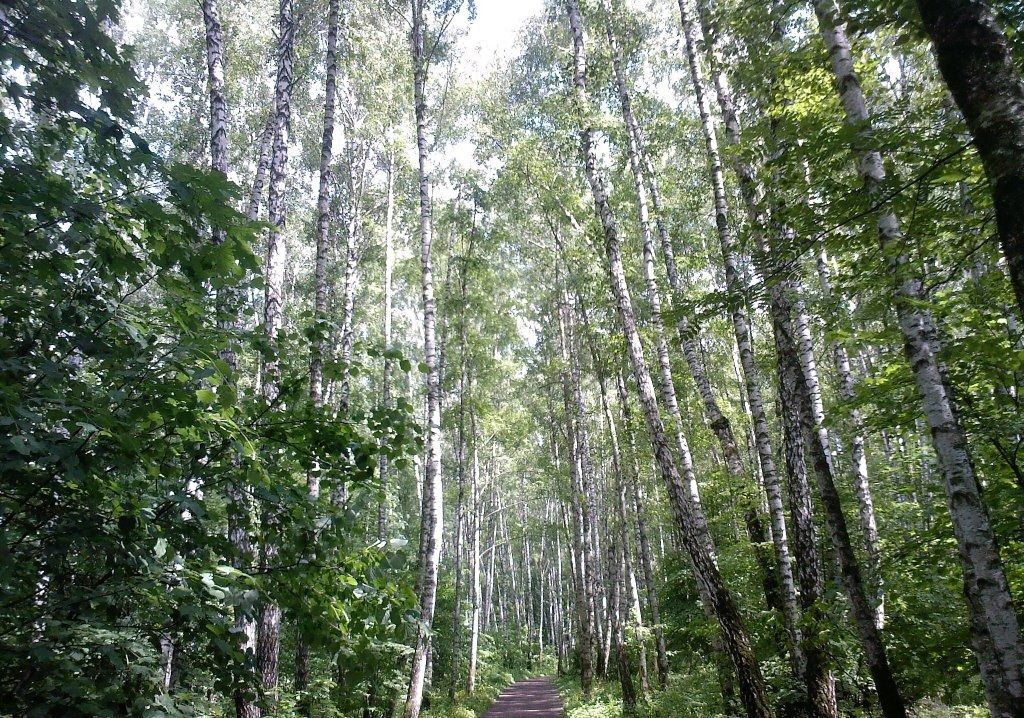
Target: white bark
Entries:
(643, 538)
(474, 635)
(239, 519)
(734, 633)
(744, 342)
(316, 362)
(433, 509)
(269, 639)
(858, 456)
(995, 626)
(389, 267)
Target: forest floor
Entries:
(533, 698)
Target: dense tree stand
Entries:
(486, 359)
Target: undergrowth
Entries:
(694, 695)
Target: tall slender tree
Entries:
(239, 522)
(995, 627)
(688, 516)
(736, 293)
(383, 466)
(320, 291)
(268, 644)
(432, 506)
(581, 473)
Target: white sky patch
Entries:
(490, 39)
(494, 34)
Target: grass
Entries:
(604, 702)
(694, 695)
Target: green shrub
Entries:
(931, 707)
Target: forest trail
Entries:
(534, 697)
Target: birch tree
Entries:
(689, 517)
(994, 623)
(432, 514)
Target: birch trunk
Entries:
(431, 524)
(654, 299)
(489, 596)
(389, 267)
(858, 456)
(821, 690)
(687, 515)
(744, 340)
(559, 612)
(268, 644)
(276, 249)
(316, 362)
(465, 384)
(995, 628)
(474, 636)
(582, 479)
(262, 165)
(323, 221)
(528, 591)
(629, 595)
(621, 649)
(720, 425)
(239, 519)
(643, 540)
(356, 158)
(620, 467)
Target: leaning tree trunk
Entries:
(734, 633)
(654, 300)
(995, 628)
(858, 457)
(984, 78)
(239, 508)
(666, 381)
(316, 357)
(799, 401)
(744, 339)
(431, 524)
(717, 420)
(872, 643)
(821, 689)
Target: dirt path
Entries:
(533, 698)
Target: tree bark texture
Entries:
(734, 634)
(995, 627)
(431, 524)
(979, 68)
